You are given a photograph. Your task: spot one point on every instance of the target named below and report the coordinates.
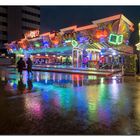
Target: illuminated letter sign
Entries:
(116, 39)
(31, 34)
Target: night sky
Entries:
(54, 18)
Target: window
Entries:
(35, 7)
(3, 14)
(5, 7)
(3, 32)
(3, 23)
(30, 21)
(30, 13)
(28, 28)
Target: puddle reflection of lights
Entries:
(115, 90)
(46, 77)
(33, 106)
(37, 76)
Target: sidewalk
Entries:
(64, 69)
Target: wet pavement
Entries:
(48, 103)
(72, 70)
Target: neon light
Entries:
(116, 39)
(138, 47)
(120, 39)
(55, 40)
(86, 27)
(74, 36)
(68, 41)
(101, 34)
(68, 28)
(46, 43)
(114, 53)
(31, 34)
(74, 43)
(37, 45)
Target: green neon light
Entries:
(37, 45)
(116, 39)
(67, 41)
(74, 43)
(120, 39)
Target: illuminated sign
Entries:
(31, 34)
(116, 39)
(74, 43)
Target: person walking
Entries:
(29, 66)
(20, 66)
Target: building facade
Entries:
(16, 20)
(3, 25)
(102, 44)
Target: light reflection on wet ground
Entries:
(55, 103)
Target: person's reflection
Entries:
(29, 83)
(21, 86)
(3, 80)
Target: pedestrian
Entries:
(20, 66)
(29, 66)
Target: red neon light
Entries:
(31, 34)
(55, 40)
(23, 44)
(101, 34)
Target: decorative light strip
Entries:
(74, 43)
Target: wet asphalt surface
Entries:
(68, 104)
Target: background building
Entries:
(16, 20)
(3, 25)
